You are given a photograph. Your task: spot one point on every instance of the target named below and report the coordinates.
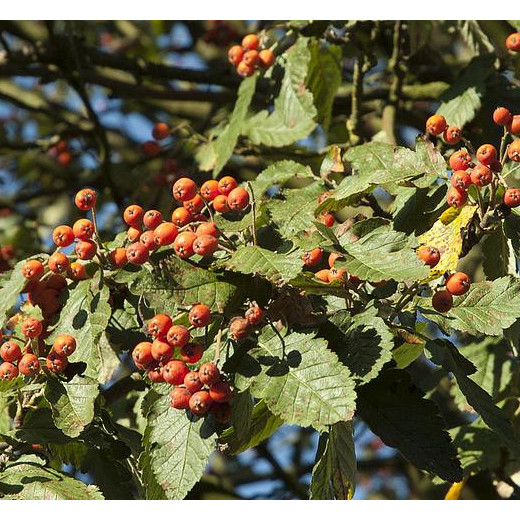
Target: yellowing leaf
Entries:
(446, 236)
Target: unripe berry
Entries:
(208, 228)
(33, 270)
(161, 351)
(200, 315)
(205, 245)
(209, 374)
(86, 249)
(160, 131)
(137, 254)
(220, 204)
(442, 301)
(481, 175)
(323, 275)
(133, 215)
(10, 351)
(502, 116)
(200, 402)
(152, 218)
(235, 54)
(254, 315)
(429, 255)
(266, 58)
(461, 180)
(8, 371)
(458, 284)
(181, 216)
(192, 382)
(174, 372)
(184, 189)
(513, 152)
(456, 198)
(487, 154)
(227, 184)
(238, 328)
(221, 392)
(512, 197)
(192, 353)
(460, 160)
(83, 229)
(313, 258)
(58, 263)
(165, 234)
(183, 244)
(452, 135)
(209, 190)
(29, 365)
(32, 328)
(513, 42)
(142, 354)
(85, 199)
(180, 398)
(118, 257)
(435, 125)
(56, 363)
(251, 42)
(64, 344)
(159, 325)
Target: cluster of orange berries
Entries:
(246, 57)
(201, 237)
(60, 152)
(513, 42)
(465, 172)
(315, 257)
(200, 389)
(20, 359)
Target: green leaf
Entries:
(72, 403)
(462, 101)
(487, 308)
(294, 114)
(445, 354)
(362, 343)
(512, 231)
(499, 257)
(398, 413)
(324, 78)
(28, 479)
(38, 427)
(295, 213)
(299, 378)
(280, 173)
(10, 290)
(383, 254)
(311, 285)
(334, 472)
(216, 154)
(276, 267)
(261, 426)
(406, 354)
(178, 446)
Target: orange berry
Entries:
(487, 154)
(184, 189)
(250, 58)
(205, 245)
(452, 135)
(514, 125)
(456, 198)
(58, 263)
(78, 271)
(251, 42)
(134, 234)
(245, 70)
(266, 58)
(32, 328)
(151, 149)
(208, 228)
(502, 116)
(160, 131)
(435, 125)
(137, 254)
(133, 215)
(338, 274)
(152, 218)
(481, 175)
(458, 284)
(33, 270)
(220, 204)
(83, 229)
(165, 234)
(460, 160)
(238, 199)
(209, 190)
(85, 199)
(429, 255)
(118, 257)
(183, 244)
(194, 205)
(332, 258)
(200, 315)
(235, 54)
(181, 216)
(513, 42)
(460, 180)
(86, 249)
(513, 152)
(29, 365)
(64, 345)
(63, 236)
(512, 197)
(323, 275)
(227, 184)
(313, 258)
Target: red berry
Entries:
(487, 154)
(209, 190)
(327, 219)
(8, 371)
(183, 244)
(151, 149)
(86, 249)
(313, 258)
(456, 198)
(161, 351)
(245, 70)
(83, 229)
(254, 315)
(134, 234)
(142, 354)
(226, 185)
(184, 189)
(458, 284)
(77, 271)
(514, 125)
(64, 158)
(221, 392)
(180, 398)
(159, 325)
(429, 255)
(238, 199)
(32, 328)
(200, 315)
(209, 374)
(10, 351)
(194, 205)
(160, 131)
(56, 363)
(251, 42)
(251, 58)
(452, 135)
(461, 180)
(513, 152)
(200, 402)
(29, 365)
(178, 336)
(460, 160)
(205, 245)
(235, 54)
(512, 197)
(32, 270)
(220, 204)
(59, 263)
(442, 301)
(133, 215)
(174, 372)
(155, 374)
(435, 125)
(481, 175)
(152, 218)
(137, 254)
(192, 352)
(208, 228)
(165, 234)
(502, 116)
(64, 344)
(238, 328)
(192, 382)
(148, 240)
(181, 216)
(513, 42)
(118, 257)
